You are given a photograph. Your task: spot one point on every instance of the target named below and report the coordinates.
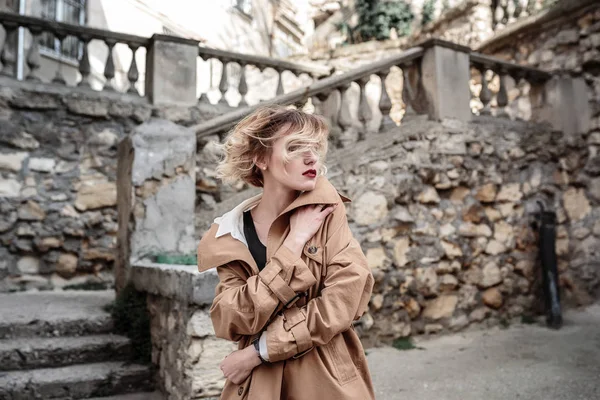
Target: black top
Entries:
(257, 249)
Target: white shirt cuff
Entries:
(262, 346)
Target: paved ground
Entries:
(528, 362)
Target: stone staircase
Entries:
(58, 345)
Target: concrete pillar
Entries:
(445, 79)
(563, 102)
(171, 71)
(156, 190)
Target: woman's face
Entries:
(299, 173)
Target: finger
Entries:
(328, 210)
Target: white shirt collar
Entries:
(232, 222)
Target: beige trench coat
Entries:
(314, 350)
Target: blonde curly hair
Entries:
(252, 140)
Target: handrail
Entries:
(511, 68)
(261, 62)
(324, 86)
(82, 32)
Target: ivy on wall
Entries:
(428, 12)
(376, 18)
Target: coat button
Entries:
(312, 249)
(240, 390)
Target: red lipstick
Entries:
(311, 173)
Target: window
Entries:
(67, 11)
(244, 6)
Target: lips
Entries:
(311, 173)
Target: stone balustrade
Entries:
(62, 31)
(246, 61)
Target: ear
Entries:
(260, 163)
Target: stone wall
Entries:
(444, 214)
(58, 161)
(568, 43)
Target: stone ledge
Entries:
(180, 282)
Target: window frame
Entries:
(59, 16)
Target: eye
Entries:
(293, 148)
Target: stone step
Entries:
(31, 353)
(82, 381)
(134, 396)
(51, 314)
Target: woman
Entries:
(291, 276)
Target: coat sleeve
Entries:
(344, 298)
(242, 306)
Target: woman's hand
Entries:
(238, 365)
(304, 223)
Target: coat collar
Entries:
(216, 251)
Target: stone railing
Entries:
(36, 27)
(165, 56)
(507, 11)
(245, 61)
(436, 82)
(330, 96)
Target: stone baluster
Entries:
(243, 86)
(518, 9)
(279, 91)
(365, 115)
(530, 7)
(385, 103)
(84, 64)
(33, 55)
(407, 91)
(109, 68)
(346, 120)
(59, 78)
(502, 96)
(203, 99)
(224, 84)
(133, 74)
(485, 95)
(505, 13)
(9, 52)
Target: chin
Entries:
(305, 186)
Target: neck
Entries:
(274, 200)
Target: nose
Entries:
(310, 158)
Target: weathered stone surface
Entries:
(486, 193)
(510, 192)
(491, 275)
(431, 329)
(370, 208)
(427, 281)
(29, 265)
(495, 247)
(12, 161)
(31, 211)
(459, 193)
(448, 283)
(9, 188)
(441, 307)
(594, 188)
(576, 204)
(452, 250)
(492, 298)
(96, 196)
(200, 325)
(66, 265)
(401, 249)
(21, 140)
(377, 258)
(412, 307)
(428, 196)
(376, 302)
(403, 215)
(91, 108)
(471, 230)
(41, 164)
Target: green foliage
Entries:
(428, 12)
(131, 318)
(179, 259)
(376, 18)
(405, 343)
(89, 286)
